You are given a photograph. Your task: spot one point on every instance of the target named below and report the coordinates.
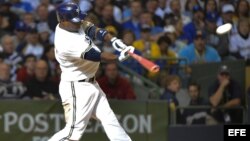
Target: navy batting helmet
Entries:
(70, 11)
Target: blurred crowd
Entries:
(172, 33)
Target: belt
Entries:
(91, 80)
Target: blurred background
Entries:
(203, 82)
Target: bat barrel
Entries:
(155, 68)
(149, 65)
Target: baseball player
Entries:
(79, 59)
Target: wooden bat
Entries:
(149, 65)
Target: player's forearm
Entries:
(108, 57)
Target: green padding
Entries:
(38, 120)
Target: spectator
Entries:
(172, 86)
(49, 57)
(98, 7)
(33, 3)
(42, 23)
(41, 88)
(195, 116)
(133, 23)
(42, 14)
(52, 22)
(197, 23)
(26, 72)
(146, 20)
(128, 37)
(211, 7)
(114, 85)
(11, 57)
(29, 20)
(240, 42)
(117, 12)
(164, 43)
(44, 34)
(199, 52)
(20, 33)
(227, 16)
(167, 64)
(189, 5)
(47, 3)
(162, 9)
(212, 38)
(170, 19)
(147, 48)
(221, 3)
(167, 59)
(4, 72)
(126, 9)
(3, 25)
(33, 45)
(145, 45)
(57, 76)
(107, 18)
(10, 18)
(242, 9)
(225, 93)
(9, 89)
(151, 6)
(194, 91)
(176, 9)
(85, 5)
(219, 42)
(20, 7)
(92, 18)
(175, 33)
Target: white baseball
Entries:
(224, 28)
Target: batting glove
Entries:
(124, 53)
(117, 44)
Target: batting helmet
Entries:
(70, 11)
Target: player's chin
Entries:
(77, 24)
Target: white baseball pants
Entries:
(81, 101)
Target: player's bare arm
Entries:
(108, 57)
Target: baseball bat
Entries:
(149, 65)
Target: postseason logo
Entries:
(239, 132)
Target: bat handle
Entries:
(130, 53)
(134, 55)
